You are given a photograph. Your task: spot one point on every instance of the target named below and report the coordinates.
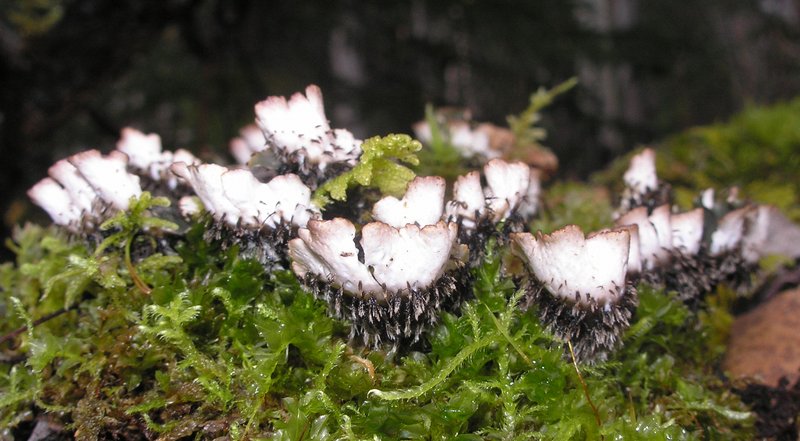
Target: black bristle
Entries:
(594, 330)
(269, 246)
(689, 276)
(693, 277)
(273, 162)
(652, 199)
(733, 270)
(485, 230)
(401, 319)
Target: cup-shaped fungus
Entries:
(390, 282)
(579, 286)
(259, 217)
(688, 273)
(85, 189)
(655, 236)
(511, 197)
(147, 159)
(468, 140)
(725, 260)
(250, 140)
(642, 186)
(422, 204)
(299, 138)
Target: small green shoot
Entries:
(442, 158)
(378, 167)
(525, 124)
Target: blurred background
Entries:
(73, 73)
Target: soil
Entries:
(777, 409)
(764, 352)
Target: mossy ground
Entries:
(218, 347)
(186, 341)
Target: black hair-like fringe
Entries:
(269, 246)
(485, 230)
(692, 277)
(653, 199)
(733, 270)
(593, 329)
(400, 319)
(273, 162)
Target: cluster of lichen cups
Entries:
(393, 276)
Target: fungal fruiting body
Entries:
(744, 236)
(147, 159)
(579, 286)
(655, 238)
(391, 283)
(726, 260)
(299, 138)
(422, 204)
(468, 140)
(642, 186)
(672, 249)
(688, 274)
(250, 140)
(407, 259)
(479, 142)
(511, 196)
(258, 217)
(692, 252)
(85, 189)
(394, 277)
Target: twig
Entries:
(585, 387)
(13, 334)
(132, 270)
(367, 365)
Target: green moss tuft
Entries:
(378, 167)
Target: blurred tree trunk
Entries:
(49, 72)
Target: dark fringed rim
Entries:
(269, 246)
(273, 162)
(693, 277)
(652, 199)
(400, 320)
(477, 238)
(593, 329)
(733, 270)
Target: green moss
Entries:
(377, 167)
(441, 158)
(574, 203)
(219, 347)
(525, 125)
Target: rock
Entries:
(765, 342)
